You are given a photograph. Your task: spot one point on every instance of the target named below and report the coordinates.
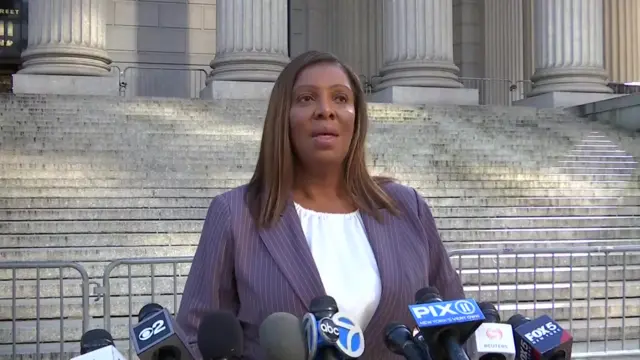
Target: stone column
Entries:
(355, 35)
(569, 52)
(622, 40)
(418, 54)
(251, 48)
(66, 51)
(503, 52)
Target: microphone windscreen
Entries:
(323, 303)
(490, 312)
(148, 309)
(95, 339)
(220, 336)
(517, 320)
(427, 294)
(282, 337)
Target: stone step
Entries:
(211, 192)
(191, 125)
(186, 226)
(468, 264)
(97, 254)
(115, 148)
(472, 226)
(544, 234)
(212, 135)
(34, 149)
(539, 211)
(117, 245)
(245, 177)
(380, 152)
(595, 170)
(141, 155)
(194, 123)
(517, 222)
(72, 137)
(376, 141)
(423, 165)
(93, 253)
(442, 174)
(453, 238)
(479, 118)
(192, 213)
(200, 202)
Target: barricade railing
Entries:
(141, 287)
(586, 289)
(161, 81)
(40, 293)
(500, 92)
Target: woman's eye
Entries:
(305, 98)
(342, 98)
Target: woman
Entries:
(313, 222)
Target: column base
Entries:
(410, 95)
(558, 99)
(65, 85)
(236, 90)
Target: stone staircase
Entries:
(93, 179)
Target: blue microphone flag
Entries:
(446, 312)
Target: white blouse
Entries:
(345, 261)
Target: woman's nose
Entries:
(324, 109)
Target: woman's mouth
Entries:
(324, 140)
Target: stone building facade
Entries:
(401, 48)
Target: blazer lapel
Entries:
(385, 248)
(287, 244)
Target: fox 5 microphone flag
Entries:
(542, 338)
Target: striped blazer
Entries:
(256, 272)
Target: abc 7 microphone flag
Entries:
(338, 331)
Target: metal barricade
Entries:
(162, 81)
(49, 307)
(588, 290)
(591, 291)
(128, 284)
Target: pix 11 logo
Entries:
(446, 312)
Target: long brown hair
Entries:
(269, 189)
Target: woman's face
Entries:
(322, 115)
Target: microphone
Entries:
(399, 340)
(445, 325)
(156, 336)
(282, 337)
(541, 338)
(331, 334)
(492, 340)
(95, 339)
(220, 336)
(418, 338)
(97, 344)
